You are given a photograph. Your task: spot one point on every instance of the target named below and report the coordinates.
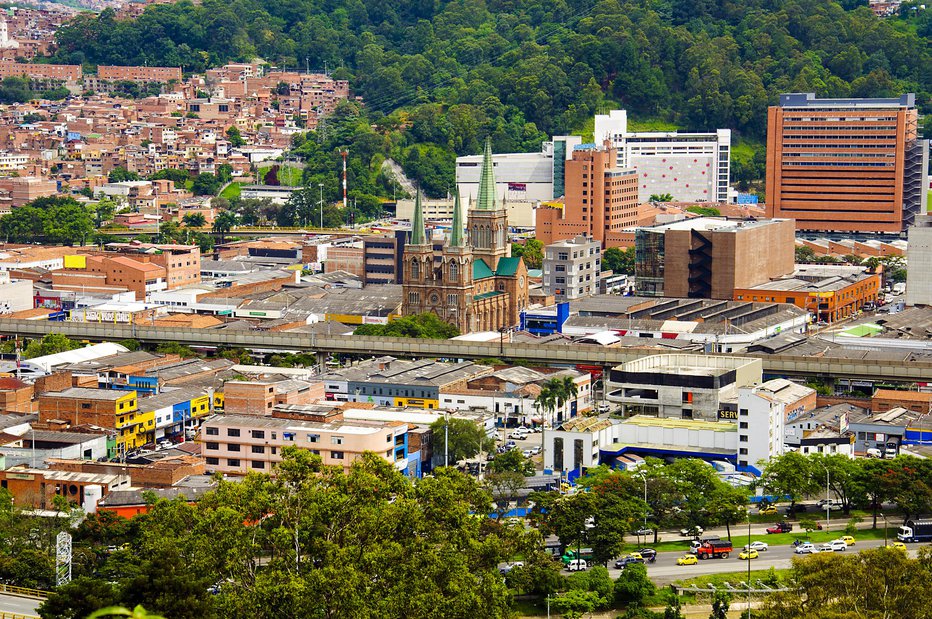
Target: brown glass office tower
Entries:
(846, 165)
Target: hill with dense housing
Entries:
(522, 69)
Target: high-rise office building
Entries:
(601, 199)
(691, 167)
(846, 165)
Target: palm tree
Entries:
(569, 389)
(223, 223)
(546, 401)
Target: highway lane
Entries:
(665, 569)
(19, 606)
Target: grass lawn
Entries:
(231, 191)
(743, 150)
(291, 176)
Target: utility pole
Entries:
(446, 439)
(344, 154)
(321, 186)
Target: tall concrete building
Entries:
(708, 257)
(846, 165)
(919, 260)
(572, 268)
(601, 199)
(688, 166)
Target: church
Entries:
(471, 280)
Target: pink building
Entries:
(237, 444)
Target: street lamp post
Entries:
(828, 505)
(885, 526)
(321, 186)
(646, 508)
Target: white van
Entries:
(873, 452)
(577, 565)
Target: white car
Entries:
(605, 407)
(836, 545)
(577, 565)
(517, 434)
(758, 546)
(806, 549)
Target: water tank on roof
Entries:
(92, 494)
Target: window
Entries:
(313, 438)
(415, 269)
(743, 451)
(288, 436)
(743, 412)
(274, 450)
(233, 462)
(414, 297)
(388, 438)
(743, 425)
(560, 268)
(274, 435)
(336, 455)
(232, 431)
(232, 447)
(258, 464)
(213, 461)
(213, 446)
(258, 433)
(743, 438)
(454, 271)
(88, 405)
(336, 440)
(258, 449)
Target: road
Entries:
(665, 569)
(19, 606)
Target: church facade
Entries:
(471, 281)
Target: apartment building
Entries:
(42, 72)
(601, 200)
(382, 256)
(139, 74)
(238, 444)
(182, 263)
(105, 408)
(710, 257)
(846, 165)
(572, 268)
(691, 167)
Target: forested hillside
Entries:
(522, 69)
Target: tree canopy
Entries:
(426, 325)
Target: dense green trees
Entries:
(466, 438)
(53, 220)
(50, 344)
(618, 260)
(532, 251)
(879, 582)
(360, 543)
(426, 325)
(467, 69)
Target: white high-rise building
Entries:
(919, 261)
(691, 167)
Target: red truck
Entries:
(714, 549)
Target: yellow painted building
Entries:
(417, 403)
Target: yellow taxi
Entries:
(636, 556)
(687, 560)
(847, 539)
(769, 510)
(747, 555)
(898, 546)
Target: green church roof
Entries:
(480, 270)
(507, 266)
(418, 232)
(456, 233)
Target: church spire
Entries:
(486, 198)
(456, 233)
(418, 232)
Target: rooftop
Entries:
(687, 424)
(83, 393)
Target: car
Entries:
(604, 407)
(687, 560)
(759, 546)
(806, 548)
(518, 435)
(898, 546)
(504, 569)
(537, 429)
(649, 554)
(770, 509)
(836, 545)
(644, 532)
(847, 539)
(747, 555)
(628, 559)
(577, 565)
(527, 453)
(873, 452)
(781, 527)
(694, 531)
(799, 507)
(510, 445)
